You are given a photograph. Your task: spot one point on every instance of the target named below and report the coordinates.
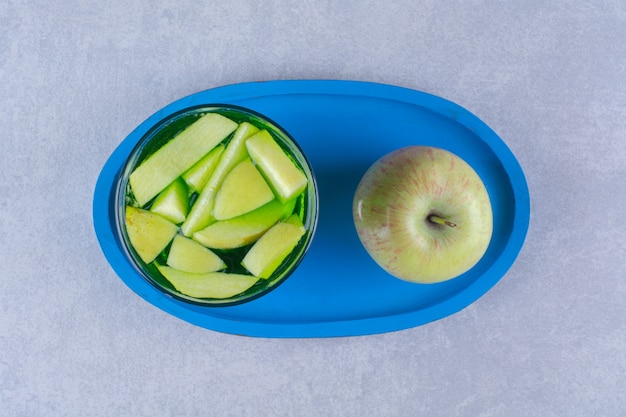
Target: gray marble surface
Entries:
(548, 340)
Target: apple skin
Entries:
(393, 208)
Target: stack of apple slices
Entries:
(216, 189)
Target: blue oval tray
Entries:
(344, 127)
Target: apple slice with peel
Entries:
(285, 178)
(245, 229)
(178, 155)
(273, 247)
(207, 285)
(197, 176)
(243, 190)
(149, 233)
(201, 214)
(190, 256)
(173, 202)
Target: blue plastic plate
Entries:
(344, 127)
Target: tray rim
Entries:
(351, 327)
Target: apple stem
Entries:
(438, 220)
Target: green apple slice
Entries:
(245, 229)
(190, 256)
(148, 232)
(178, 155)
(243, 190)
(207, 285)
(173, 202)
(197, 176)
(273, 247)
(201, 214)
(281, 172)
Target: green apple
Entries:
(245, 229)
(243, 190)
(423, 214)
(201, 214)
(207, 285)
(190, 256)
(173, 202)
(285, 178)
(178, 155)
(266, 255)
(149, 233)
(197, 176)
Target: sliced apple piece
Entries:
(201, 214)
(190, 256)
(243, 190)
(285, 178)
(178, 155)
(207, 285)
(173, 202)
(197, 176)
(149, 233)
(245, 229)
(273, 247)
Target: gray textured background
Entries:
(548, 340)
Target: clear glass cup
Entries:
(306, 206)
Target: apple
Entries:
(197, 176)
(178, 155)
(268, 253)
(281, 172)
(245, 229)
(209, 284)
(173, 202)
(149, 233)
(190, 256)
(423, 214)
(242, 191)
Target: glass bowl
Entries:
(305, 207)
